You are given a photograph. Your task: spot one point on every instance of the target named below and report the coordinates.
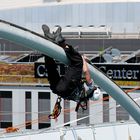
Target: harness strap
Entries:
(82, 103)
(57, 109)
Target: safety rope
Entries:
(27, 123)
(133, 89)
(57, 109)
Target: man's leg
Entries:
(74, 57)
(53, 75)
(72, 78)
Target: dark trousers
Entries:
(65, 85)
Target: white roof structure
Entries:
(112, 131)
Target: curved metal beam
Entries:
(35, 41)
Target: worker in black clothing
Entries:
(70, 85)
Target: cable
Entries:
(27, 123)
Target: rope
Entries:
(133, 89)
(27, 123)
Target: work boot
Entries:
(48, 35)
(57, 32)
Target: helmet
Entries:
(96, 94)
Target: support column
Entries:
(112, 110)
(34, 108)
(18, 108)
(73, 113)
(96, 111)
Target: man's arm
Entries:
(88, 78)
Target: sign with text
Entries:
(41, 72)
(122, 72)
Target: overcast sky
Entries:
(15, 3)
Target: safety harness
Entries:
(57, 109)
(81, 103)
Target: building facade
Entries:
(26, 105)
(120, 16)
(98, 24)
(29, 107)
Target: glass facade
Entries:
(120, 16)
(43, 109)
(5, 109)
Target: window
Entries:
(28, 109)
(105, 108)
(44, 109)
(121, 113)
(67, 113)
(5, 109)
(81, 114)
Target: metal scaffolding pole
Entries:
(35, 41)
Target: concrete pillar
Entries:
(73, 113)
(18, 108)
(112, 110)
(96, 111)
(34, 108)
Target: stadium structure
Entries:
(107, 32)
